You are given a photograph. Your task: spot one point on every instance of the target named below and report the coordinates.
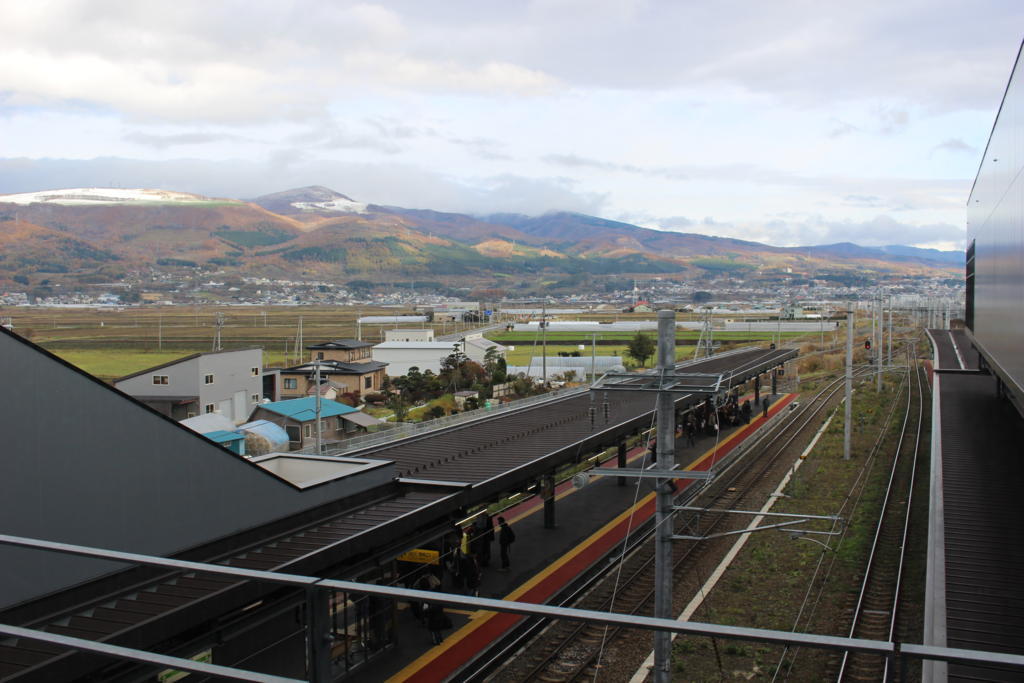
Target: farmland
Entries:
(110, 343)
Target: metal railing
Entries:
(316, 590)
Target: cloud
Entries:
(231, 62)
(891, 120)
(955, 145)
(841, 128)
(676, 222)
(862, 200)
(335, 135)
(241, 61)
(176, 139)
(809, 230)
(483, 148)
(379, 183)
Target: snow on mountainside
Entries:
(315, 199)
(86, 196)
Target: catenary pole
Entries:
(848, 412)
(666, 415)
(890, 331)
(544, 343)
(878, 344)
(319, 435)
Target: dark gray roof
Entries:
(336, 367)
(340, 344)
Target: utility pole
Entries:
(663, 471)
(878, 346)
(848, 412)
(666, 415)
(319, 435)
(890, 332)
(216, 337)
(160, 331)
(593, 359)
(544, 342)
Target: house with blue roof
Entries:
(297, 417)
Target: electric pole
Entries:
(848, 412)
(544, 342)
(319, 435)
(666, 415)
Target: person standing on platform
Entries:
(484, 527)
(764, 407)
(506, 537)
(746, 410)
(437, 622)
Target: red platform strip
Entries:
(445, 659)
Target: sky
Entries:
(791, 122)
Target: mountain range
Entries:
(315, 232)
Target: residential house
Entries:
(298, 418)
(643, 307)
(224, 382)
(346, 363)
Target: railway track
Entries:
(563, 651)
(876, 615)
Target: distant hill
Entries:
(957, 258)
(318, 232)
(893, 253)
(314, 199)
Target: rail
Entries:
(314, 588)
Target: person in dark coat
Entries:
(437, 621)
(505, 539)
(764, 407)
(471, 573)
(483, 526)
(747, 410)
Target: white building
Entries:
(226, 382)
(409, 335)
(427, 355)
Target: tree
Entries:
(640, 348)
(454, 367)
(701, 297)
(399, 407)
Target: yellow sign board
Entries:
(421, 556)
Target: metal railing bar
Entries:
(144, 656)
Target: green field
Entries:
(585, 337)
(112, 343)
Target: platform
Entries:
(975, 598)
(591, 521)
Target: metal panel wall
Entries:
(84, 464)
(995, 221)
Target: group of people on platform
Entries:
(707, 418)
(465, 565)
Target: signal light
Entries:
(867, 344)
